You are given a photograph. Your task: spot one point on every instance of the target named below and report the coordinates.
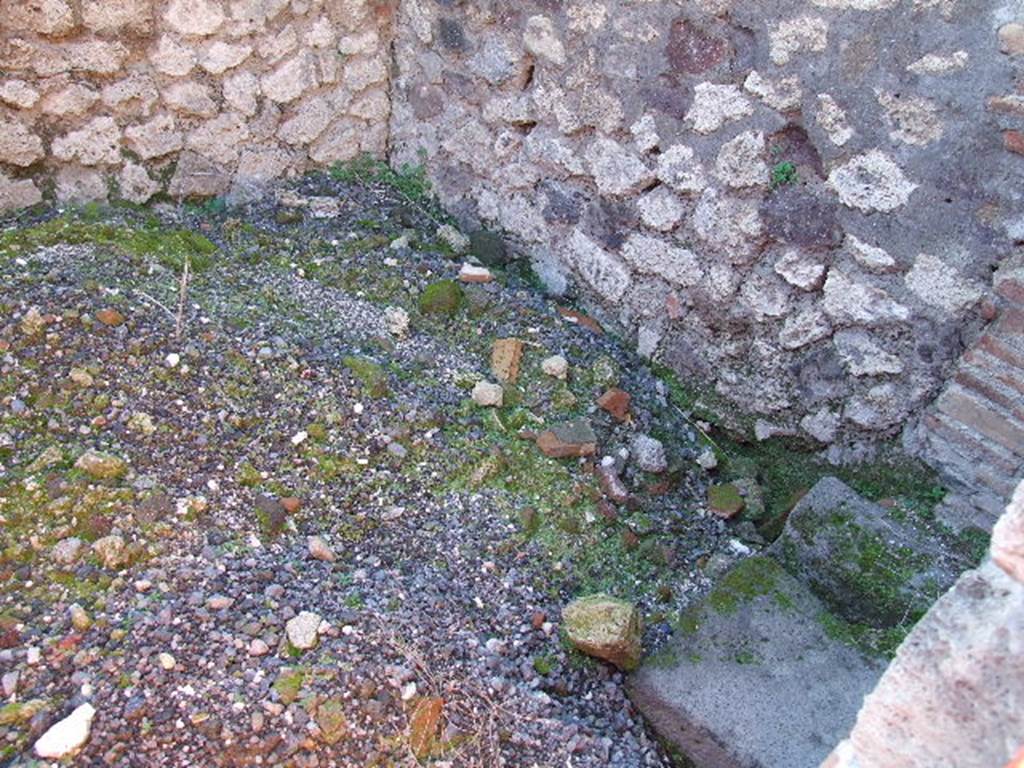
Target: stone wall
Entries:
(952, 696)
(799, 204)
(187, 97)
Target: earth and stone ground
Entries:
(258, 509)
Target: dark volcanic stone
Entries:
(489, 247)
(451, 35)
(691, 50)
(797, 215)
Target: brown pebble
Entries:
(110, 317)
(616, 402)
(291, 504)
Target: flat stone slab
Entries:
(752, 679)
(868, 564)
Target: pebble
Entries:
(67, 735)
(166, 661)
(110, 317)
(258, 648)
(319, 550)
(397, 321)
(219, 602)
(556, 366)
(470, 273)
(302, 630)
(649, 454)
(172, 360)
(111, 551)
(707, 459)
(67, 551)
(9, 683)
(488, 395)
(79, 618)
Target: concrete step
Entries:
(735, 686)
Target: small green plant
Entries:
(783, 173)
(409, 180)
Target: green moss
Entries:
(369, 374)
(746, 657)
(20, 712)
(171, 247)
(544, 664)
(288, 684)
(725, 500)
(784, 173)
(754, 577)
(248, 475)
(444, 297)
(870, 640)
(786, 468)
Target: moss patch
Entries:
(445, 297)
(170, 247)
(369, 374)
(754, 577)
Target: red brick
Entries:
(1014, 141)
(998, 349)
(972, 450)
(1010, 289)
(989, 392)
(982, 420)
(616, 402)
(1011, 321)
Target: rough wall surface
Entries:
(188, 97)
(974, 433)
(799, 203)
(954, 694)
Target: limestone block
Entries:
(110, 16)
(156, 138)
(291, 79)
(17, 193)
(135, 184)
(194, 17)
(18, 145)
(80, 185)
(18, 93)
(197, 176)
(191, 98)
(47, 17)
(70, 101)
(98, 142)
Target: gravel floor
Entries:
(289, 408)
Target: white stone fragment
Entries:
(680, 170)
(741, 162)
(660, 209)
(832, 119)
(941, 286)
(556, 366)
(302, 630)
(715, 105)
(871, 182)
(806, 33)
(67, 735)
(868, 256)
